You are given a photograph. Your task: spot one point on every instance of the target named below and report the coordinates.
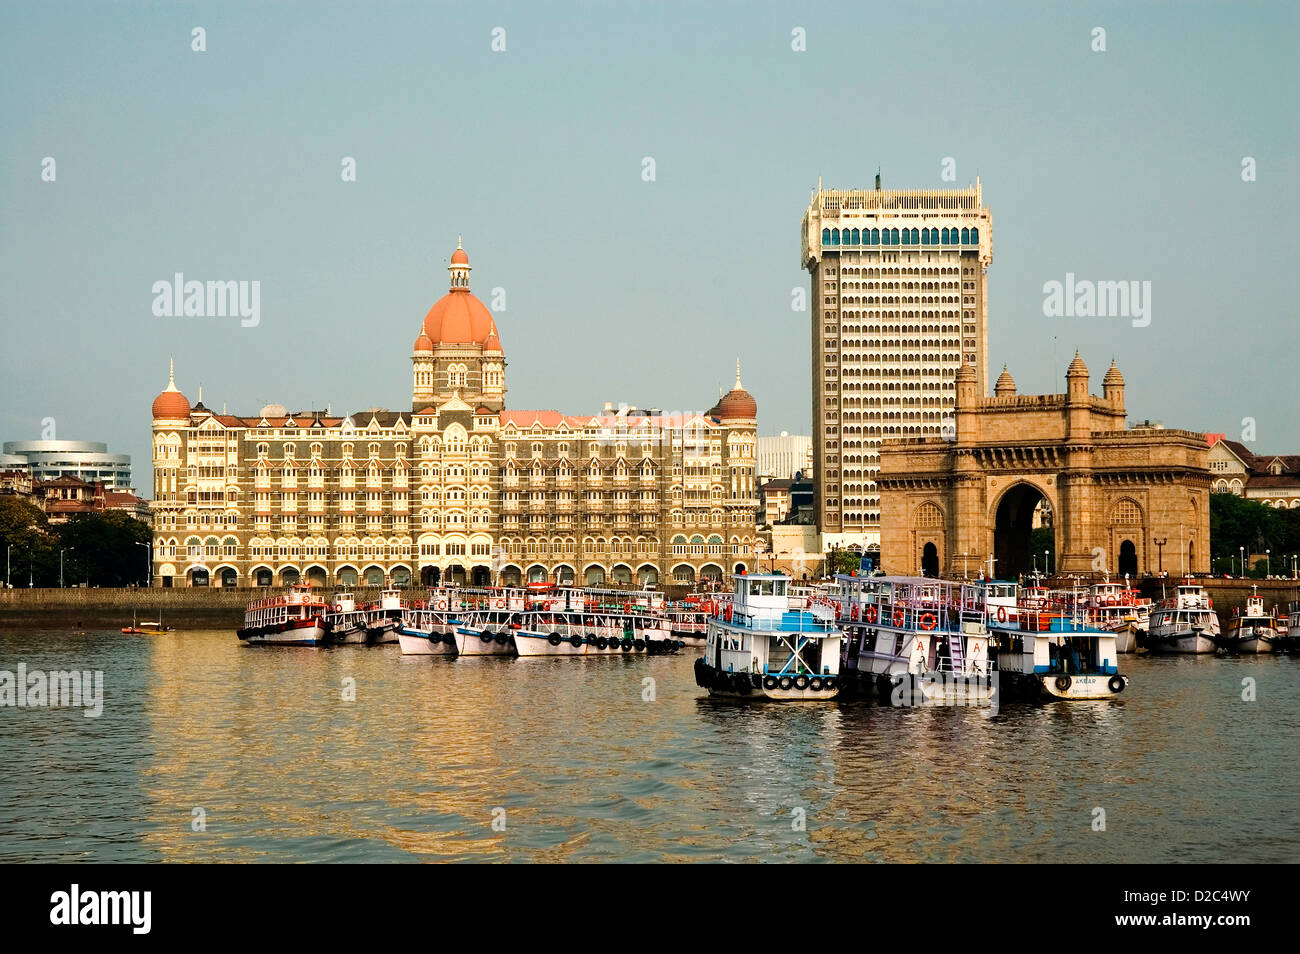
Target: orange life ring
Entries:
(1002, 614)
(546, 605)
(928, 621)
(442, 604)
(871, 613)
(898, 616)
(501, 604)
(855, 611)
(336, 608)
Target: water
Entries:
(432, 749)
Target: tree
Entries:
(104, 551)
(842, 561)
(32, 550)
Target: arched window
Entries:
(835, 236)
(907, 237)
(826, 236)
(965, 236)
(974, 236)
(853, 237)
(943, 237)
(875, 236)
(916, 236)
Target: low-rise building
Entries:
(1273, 480)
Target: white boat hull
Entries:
(559, 644)
(1251, 645)
(1056, 686)
(771, 688)
(498, 643)
(299, 636)
(1188, 643)
(416, 642)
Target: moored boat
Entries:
(146, 627)
(1184, 623)
(1253, 631)
(1291, 643)
(345, 624)
(760, 649)
(295, 618)
(1046, 649)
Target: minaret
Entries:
(459, 268)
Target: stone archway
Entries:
(930, 560)
(1128, 559)
(1013, 528)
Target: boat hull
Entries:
(757, 687)
(1251, 645)
(559, 644)
(296, 636)
(1186, 643)
(1074, 686)
(498, 643)
(416, 642)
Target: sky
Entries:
(226, 164)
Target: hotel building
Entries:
(459, 489)
(899, 303)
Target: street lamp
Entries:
(148, 559)
(1242, 551)
(1047, 565)
(1268, 564)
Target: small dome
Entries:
(492, 342)
(1077, 366)
(1006, 383)
(459, 257)
(1113, 378)
(423, 343)
(736, 403)
(171, 404)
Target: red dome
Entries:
(738, 403)
(171, 405)
(459, 318)
(459, 257)
(423, 343)
(493, 343)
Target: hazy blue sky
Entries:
(1122, 165)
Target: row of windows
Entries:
(900, 237)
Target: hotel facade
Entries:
(459, 489)
(899, 303)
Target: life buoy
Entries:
(898, 616)
(1110, 600)
(871, 613)
(928, 621)
(1002, 614)
(1116, 684)
(336, 608)
(501, 604)
(854, 614)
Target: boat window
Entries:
(780, 588)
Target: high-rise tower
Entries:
(899, 303)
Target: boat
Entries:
(1184, 623)
(1292, 641)
(758, 648)
(1046, 648)
(345, 623)
(295, 618)
(568, 621)
(428, 626)
(146, 627)
(1120, 609)
(384, 618)
(1253, 631)
(688, 619)
(916, 639)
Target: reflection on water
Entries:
(581, 767)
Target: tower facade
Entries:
(899, 303)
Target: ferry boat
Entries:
(146, 627)
(760, 649)
(345, 624)
(1254, 631)
(1046, 648)
(428, 627)
(924, 634)
(688, 619)
(384, 618)
(1292, 641)
(1184, 623)
(1120, 609)
(296, 618)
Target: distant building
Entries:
(15, 480)
(780, 458)
(65, 497)
(774, 498)
(1273, 480)
(87, 460)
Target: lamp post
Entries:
(1160, 553)
(1242, 564)
(62, 551)
(1047, 563)
(1268, 564)
(148, 556)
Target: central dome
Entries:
(458, 317)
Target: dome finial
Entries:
(171, 372)
(737, 372)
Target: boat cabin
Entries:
(759, 633)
